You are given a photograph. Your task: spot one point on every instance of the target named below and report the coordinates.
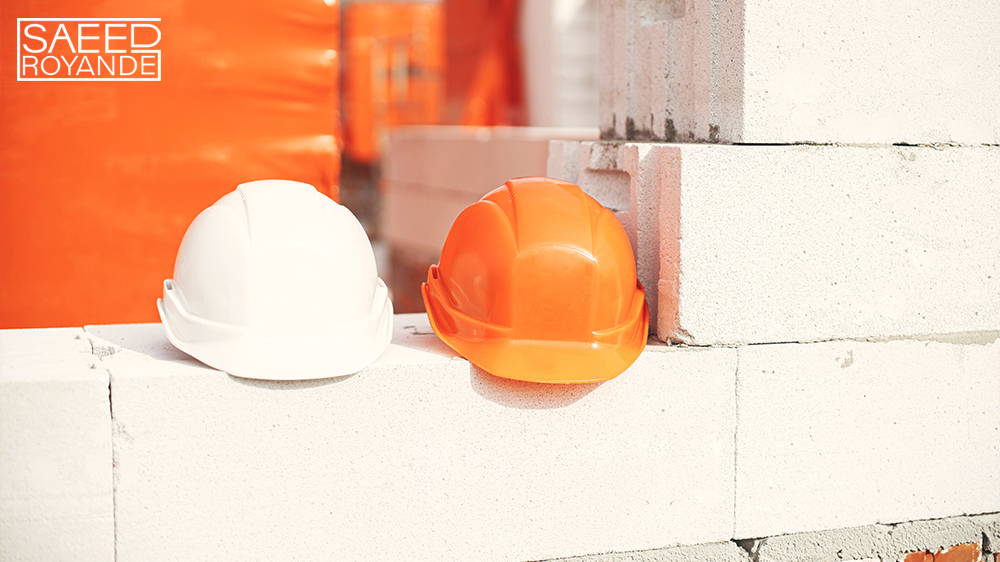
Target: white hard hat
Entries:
(276, 281)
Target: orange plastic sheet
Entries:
(484, 76)
(100, 179)
(394, 71)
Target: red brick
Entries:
(969, 552)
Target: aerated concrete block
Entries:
(710, 552)
(804, 243)
(56, 498)
(418, 457)
(842, 434)
(844, 71)
(889, 543)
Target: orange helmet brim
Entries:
(491, 347)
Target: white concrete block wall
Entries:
(422, 456)
(56, 495)
(803, 243)
(418, 457)
(840, 434)
(819, 72)
(881, 542)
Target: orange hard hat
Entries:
(537, 283)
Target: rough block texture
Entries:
(803, 243)
(844, 71)
(889, 543)
(712, 552)
(418, 457)
(847, 433)
(958, 539)
(421, 456)
(56, 498)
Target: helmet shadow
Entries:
(527, 395)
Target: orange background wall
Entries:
(99, 180)
(484, 79)
(394, 71)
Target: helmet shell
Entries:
(537, 282)
(277, 281)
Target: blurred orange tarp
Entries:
(100, 179)
(484, 62)
(426, 63)
(394, 71)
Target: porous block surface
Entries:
(814, 243)
(953, 539)
(853, 450)
(880, 542)
(420, 456)
(56, 498)
(710, 552)
(844, 71)
(839, 434)
(762, 244)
